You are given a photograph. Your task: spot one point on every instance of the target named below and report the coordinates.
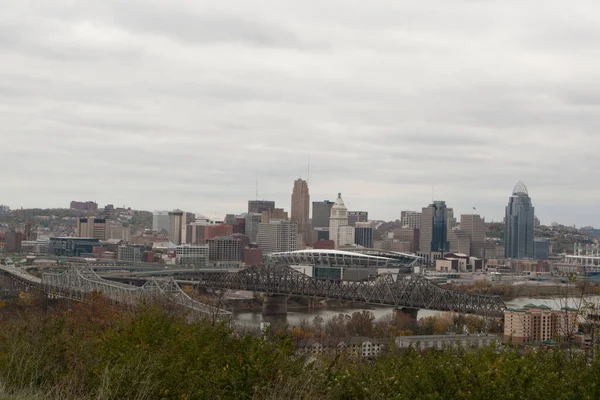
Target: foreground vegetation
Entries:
(51, 350)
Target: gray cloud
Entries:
(163, 104)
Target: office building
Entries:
(301, 209)
(259, 206)
(357, 216)
(410, 219)
(434, 227)
(541, 249)
(13, 241)
(84, 205)
(160, 221)
(410, 235)
(225, 248)
(339, 230)
(192, 255)
(321, 211)
(91, 228)
(363, 234)
(274, 213)
(277, 236)
(118, 231)
(459, 241)
(252, 222)
(131, 253)
(4, 209)
(519, 223)
(474, 226)
(176, 225)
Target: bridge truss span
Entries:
(77, 282)
(410, 290)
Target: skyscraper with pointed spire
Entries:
(301, 209)
(519, 224)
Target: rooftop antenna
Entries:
(308, 173)
(432, 193)
(256, 184)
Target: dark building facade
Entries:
(541, 249)
(363, 236)
(258, 206)
(72, 246)
(12, 241)
(357, 216)
(321, 211)
(519, 224)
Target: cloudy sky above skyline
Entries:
(177, 104)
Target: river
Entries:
(251, 319)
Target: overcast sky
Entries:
(177, 104)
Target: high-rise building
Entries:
(321, 211)
(363, 234)
(301, 209)
(474, 226)
(91, 228)
(459, 241)
(274, 213)
(339, 230)
(225, 248)
(519, 223)
(160, 221)
(357, 216)
(176, 225)
(277, 236)
(252, 221)
(410, 219)
(410, 235)
(434, 228)
(258, 206)
(541, 249)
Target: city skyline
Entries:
(281, 204)
(385, 101)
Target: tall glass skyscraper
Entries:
(519, 224)
(434, 227)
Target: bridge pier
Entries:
(274, 304)
(403, 312)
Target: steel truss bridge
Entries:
(78, 282)
(401, 291)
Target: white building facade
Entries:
(339, 231)
(193, 255)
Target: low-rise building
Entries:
(354, 346)
(131, 253)
(539, 323)
(439, 342)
